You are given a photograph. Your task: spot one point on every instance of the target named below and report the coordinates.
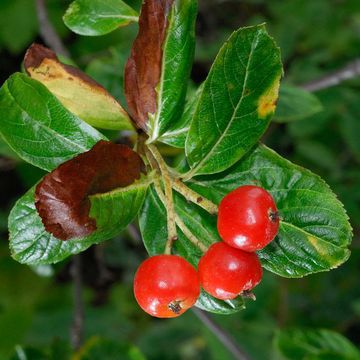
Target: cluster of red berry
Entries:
(167, 285)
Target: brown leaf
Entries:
(62, 197)
(143, 69)
(78, 92)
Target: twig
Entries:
(47, 32)
(76, 332)
(170, 211)
(350, 71)
(104, 275)
(222, 335)
(194, 197)
(191, 237)
(6, 164)
(189, 234)
(134, 233)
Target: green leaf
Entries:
(6, 151)
(209, 303)
(153, 228)
(295, 104)
(301, 344)
(38, 128)
(178, 54)
(177, 135)
(237, 101)
(113, 211)
(314, 231)
(98, 17)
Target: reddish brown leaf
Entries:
(62, 197)
(143, 69)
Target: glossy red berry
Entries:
(166, 286)
(248, 218)
(225, 272)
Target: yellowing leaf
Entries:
(75, 90)
(267, 101)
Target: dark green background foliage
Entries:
(320, 132)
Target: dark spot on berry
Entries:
(175, 306)
(273, 215)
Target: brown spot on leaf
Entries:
(38, 55)
(143, 69)
(62, 197)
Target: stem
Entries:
(78, 320)
(221, 334)
(192, 238)
(190, 235)
(194, 197)
(169, 202)
(349, 71)
(47, 31)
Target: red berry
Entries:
(248, 218)
(165, 286)
(225, 272)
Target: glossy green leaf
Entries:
(177, 135)
(6, 151)
(113, 211)
(237, 102)
(295, 104)
(37, 127)
(154, 232)
(178, 53)
(314, 231)
(301, 344)
(209, 303)
(98, 17)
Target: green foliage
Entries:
(298, 344)
(98, 17)
(177, 136)
(236, 103)
(17, 17)
(178, 53)
(97, 348)
(31, 244)
(36, 310)
(38, 128)
(314, 230)
(295, 104)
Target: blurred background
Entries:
(321, 133)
